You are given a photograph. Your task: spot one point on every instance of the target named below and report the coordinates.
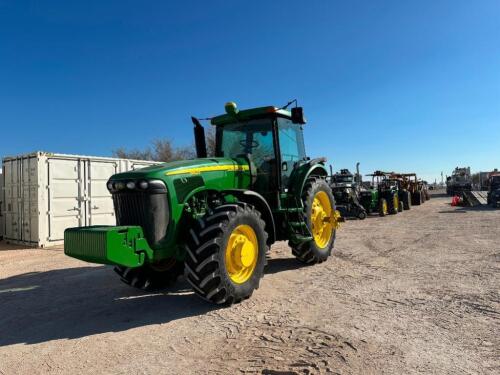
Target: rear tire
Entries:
(311, 252)
(212, 252)
(150, 277)
(406, 200)
(416, 198)
(393, 204)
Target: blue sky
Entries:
(396, 85)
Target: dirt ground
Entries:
(417, 292)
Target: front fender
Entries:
(258, 201)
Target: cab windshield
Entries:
(343, 179)
(253, 137)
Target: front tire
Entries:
(362, 215)
(226, 254)
(382, 207)
(151, 277)
(321, 219)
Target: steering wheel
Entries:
(254, 144)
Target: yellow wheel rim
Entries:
(384, 207)
(396, 203)
(242, 252)
(323, 219)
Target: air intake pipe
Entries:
(199, 139)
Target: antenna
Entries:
(289, 104)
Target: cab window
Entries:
(292, 148)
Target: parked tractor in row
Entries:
(403, 189)
(346, 188)
(417, 188)
(214, 219)
(382, 196)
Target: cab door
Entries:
(291, 146)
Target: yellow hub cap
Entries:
(242, 252)
(323, 219)
(396, 203)
(384, 207)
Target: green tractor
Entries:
(383, 195)
(214, 219)
(403, 189)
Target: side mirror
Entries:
(298, 115)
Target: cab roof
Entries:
(249, 114)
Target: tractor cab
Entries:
(383, 182)
(343, 179)
(270, 139)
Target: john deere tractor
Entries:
(402, 182)
(383, 195)
(214, 219)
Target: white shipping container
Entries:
(45, 193)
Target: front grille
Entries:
(148, 210)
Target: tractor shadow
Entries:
(77, 302)
(465, 209)
(277, 265)
(481, 207)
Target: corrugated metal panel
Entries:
(46, 193)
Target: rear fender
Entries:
(314, 167)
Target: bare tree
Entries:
(161, 150)
(137, 154)
(210, 140)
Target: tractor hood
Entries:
(185, 177)
(186, 168)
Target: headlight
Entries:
(120, 185)
(143, 185)
(131, 185)
(109, 185)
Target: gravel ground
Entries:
(417, 292)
